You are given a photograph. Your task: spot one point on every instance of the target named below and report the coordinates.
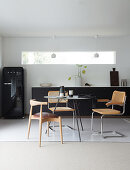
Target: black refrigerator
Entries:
(13, 92)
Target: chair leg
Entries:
(102, 125)
(60, 124)
(73, 119)
(29, 125)
(40, 132)
(48, 128)
(92, 122)
(54, 125)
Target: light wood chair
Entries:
(43, 117)
(60, 108)
(118, 98)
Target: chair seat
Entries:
(107, 111)
(61, 109)
(44, 115)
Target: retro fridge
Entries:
(13, 92)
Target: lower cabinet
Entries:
(85, 106)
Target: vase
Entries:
(114, 77)
(78, 81)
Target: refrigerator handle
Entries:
(7, 83)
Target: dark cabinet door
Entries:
(13, 92)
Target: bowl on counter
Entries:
(45, 84)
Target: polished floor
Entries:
(69, 156)
(16, 130)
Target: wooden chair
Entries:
(60, 108)
(43, 117)
(118, 98)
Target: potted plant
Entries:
(78, 77)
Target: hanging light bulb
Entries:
(96, 55)
(53, 55)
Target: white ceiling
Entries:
(64, 17)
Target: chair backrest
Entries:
(34, 102)
(56, 93)
(119, 97)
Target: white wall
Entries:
(97, 75)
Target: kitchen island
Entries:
(85, 106)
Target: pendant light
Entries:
(96, 55)
(53, 55)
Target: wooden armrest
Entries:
(44, 103)
(103, 100)
(113, 103)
